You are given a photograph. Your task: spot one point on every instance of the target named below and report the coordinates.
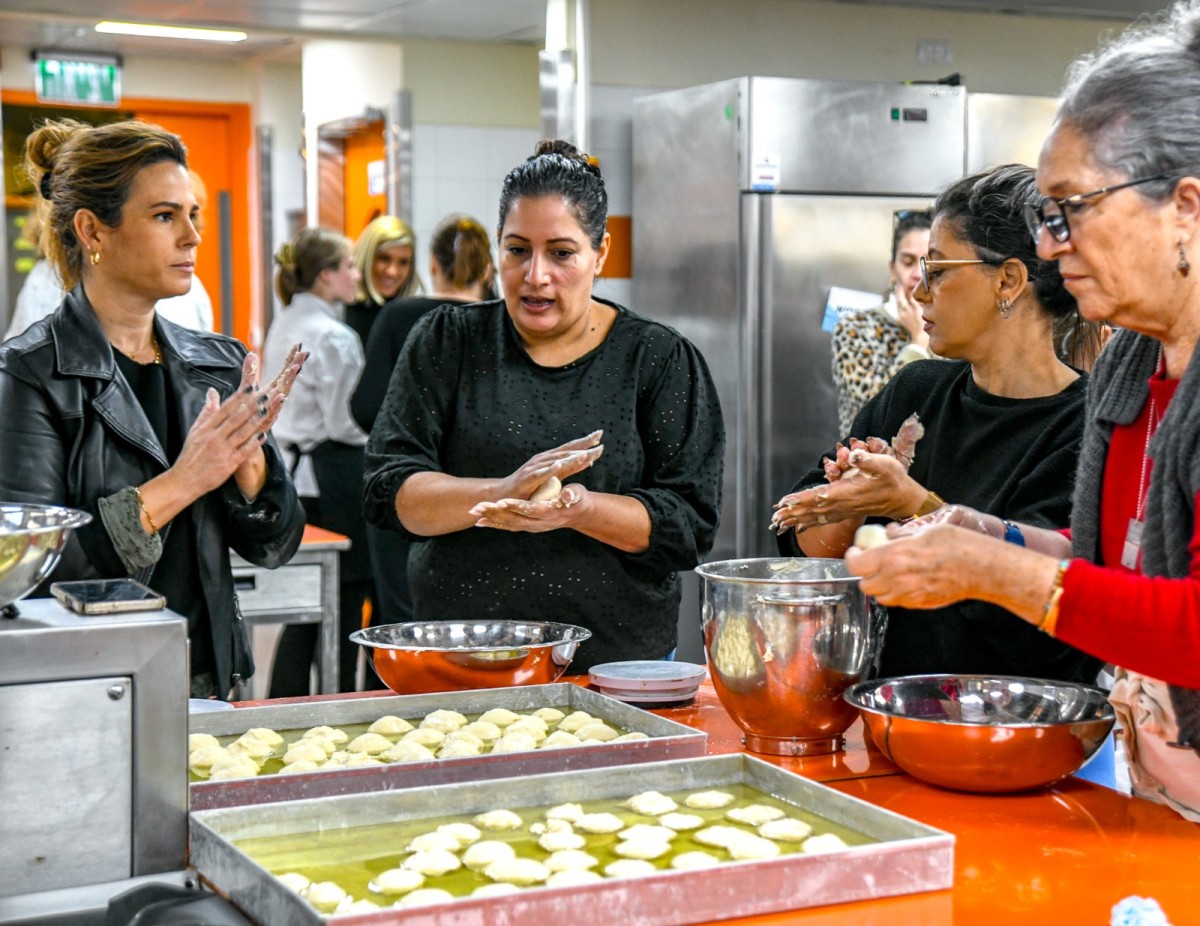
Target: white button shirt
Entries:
(318, 407)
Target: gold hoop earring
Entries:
(95, 258)
(1005, 306)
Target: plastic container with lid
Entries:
(648, 682)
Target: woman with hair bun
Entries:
(385, 257)
(491, 405)
(461, 272)
(160, 432)
(322, 444)
(1118, 208)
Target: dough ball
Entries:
(396, 881)
(359, 759)
(785, 830)
(265, 735)
(426, 736)
(679, 822)
(644, 848)
(230, 766)
(870, 535)
(196, 740)
(599, 823)
(481, 854)
(338, 759)
(754, 814)
(457, 749)
(358, 906)
(444, 720)
(514, 742)
(651, 804)
(324, 895)
(432, 862)
(522, 871)
(548, 491)
(330, 733)
(304, 765)
(324, 743)
(371, 744)
(691, 861)
(569, 812)
(485, 731)
(570, 860)
(629, 868)
(249, 746)
(720, 836)
(408, 751)
(390, 725)
(575, 720)
(551, 715)
(646, 831)
(498, 820)
(708, 800)
(500, 716)
(572, 877)
(750, 847)
(495, 889)
(561, 840)
(201, 760)
(424, 896)
(304, 752)
(632, 736)
(294, 881)
(465, 833)
(462, 736)
(435, 840)
(529, 726)
(598, 731)
(552, 825)
(825, 842)
(561, 739)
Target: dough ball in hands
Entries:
(548, 491)
(870, 535)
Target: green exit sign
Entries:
(79, 79)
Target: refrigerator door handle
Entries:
(754, 394)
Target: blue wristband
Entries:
(1012, 534)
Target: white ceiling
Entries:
(275, 26)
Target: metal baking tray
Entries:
(668, 740)
(907, 857)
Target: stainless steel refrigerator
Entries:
(753, 197)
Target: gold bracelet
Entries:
(932, 503)
(146, 511)
(1049, 620)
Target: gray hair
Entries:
(1136, 99)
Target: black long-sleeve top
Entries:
(466, 399)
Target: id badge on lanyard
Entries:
(1131, 550)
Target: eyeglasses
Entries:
(1051, 214)
(925, 264)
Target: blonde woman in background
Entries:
(323, 445)
(384, 256)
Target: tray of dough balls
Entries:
(681, 841)
(291, 751)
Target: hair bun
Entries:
(564, 149)
(286, 257)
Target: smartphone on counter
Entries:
(107, 596)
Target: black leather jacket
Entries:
(72, 432)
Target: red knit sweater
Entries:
(1149, 625)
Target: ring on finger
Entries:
(821, 519)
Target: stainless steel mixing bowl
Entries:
(32, 538)
(423, 656)
(785, 638)
(984, 733)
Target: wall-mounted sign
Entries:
(69, 77)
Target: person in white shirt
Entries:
(318, 436)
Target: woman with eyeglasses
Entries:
(1002, 419)
(871, 345)
(1119, 210)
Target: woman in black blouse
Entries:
(490, 401)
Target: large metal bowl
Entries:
(32, 538)
(784, 639)
(984, 733)
(422, 656)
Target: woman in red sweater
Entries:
(1120, 212)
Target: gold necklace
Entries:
(152, 346)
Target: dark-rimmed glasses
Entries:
(925, 263)
(1051, 214)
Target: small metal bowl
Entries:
(423, 656)
(984, 733)
(32, 538)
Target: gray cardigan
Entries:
(1116, 395)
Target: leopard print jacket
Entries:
(866, 354)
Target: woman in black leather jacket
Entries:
(161, 433)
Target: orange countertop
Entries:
(1060, 856)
